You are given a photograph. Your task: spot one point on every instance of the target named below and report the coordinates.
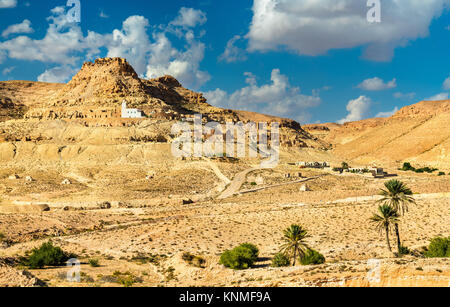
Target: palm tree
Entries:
(294, 245)
(398, 196)
(385, 221)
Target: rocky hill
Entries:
(419, 133)
(94, 95)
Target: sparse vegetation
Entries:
(398, 196)
(194, 260)
(95, 263)
(126, 279)
(385, 221)
(2, 236)
(295, 246)
(407, 167)
(241, 257)
(312, 257)
(280, 260)
(46, 255)
(438, 248)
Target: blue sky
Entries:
(310, 60)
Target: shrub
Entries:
(441, 174)
(438, 248)
(407, 167)
(253, 248)
(240, 258)
(46, 255)
(403, 250)
(193, 260)
(312, 257)
(2, 237)
(280, 260)
(95, 263)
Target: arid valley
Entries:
(109, 190)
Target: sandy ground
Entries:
(144, 237)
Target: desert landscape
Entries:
(108, 190)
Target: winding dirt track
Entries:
(237, 183)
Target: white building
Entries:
(130, 113)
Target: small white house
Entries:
(130, 113)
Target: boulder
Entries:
(66, 182)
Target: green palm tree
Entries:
(294, 245)
(387, 218)
(398, 196)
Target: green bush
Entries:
(95, 263)
(441, 174)
(46, 255)
(240, 258)
(312, 257)
(280, 260)
(438, 248)
(253, 248)
(404, 250)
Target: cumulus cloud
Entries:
(438, 97)
(446, 85)
(233, 53)
(400, 95)
(190, 18)
(151, 52)
(4, 4)
(60, 74)
(358, 109)
(183, 64)
(23, 27)
(377, 84)
(278, 97)
(296, 25)
(62, 43)
(387, 114)
(132, 42)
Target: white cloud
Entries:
(8, 70)
(358, 109)
(23, 27)
(60, 74)
(387, 114)
(151, 55)
(183, 64)
(400, 95)
(438, 97)
(132, 42)
(446, 85)
(62, 43)
(278, 98)
(233, 53)
(4, 4)
(296, 25)
(377, 84)
(190, 18)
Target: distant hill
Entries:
(419, 133)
